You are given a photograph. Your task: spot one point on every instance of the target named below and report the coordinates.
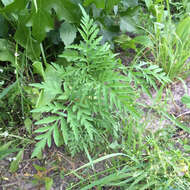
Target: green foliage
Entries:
(86, 98)
(173, 52)
(104, 4)
(41, 177)
(5, 150)
(150, 162)
(151, 73)
(6, 51)
(30, 22)
(180, 9)
(33, 19)
(171, 44)
(145, 75)
(15, 164)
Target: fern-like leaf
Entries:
(88, 97)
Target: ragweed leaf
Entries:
(56, 135)
(47, 120)
(64, 130)
(38, 149)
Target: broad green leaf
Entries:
(41, 102)
(7, 2)
(67, 33)
(6, 56)
(15, 164)
(102, 4)
(143, 40)
(47, 120)
(130, 3)
(66, 10)
(6, 51)
(40, 17)
(127, 24)
(24, 38)
(36, 116)
(41, 22)
(99, 3)
(4, 27)
(15, 6)
(38, 67)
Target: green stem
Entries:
(18, 137)
(168, 8)
(18, 79)
(43, 55)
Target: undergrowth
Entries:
(73, 96)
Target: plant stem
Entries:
(18, 79)
(43, 55)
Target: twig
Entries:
(185, 113)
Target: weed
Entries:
(87, 98)
(148, 163)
